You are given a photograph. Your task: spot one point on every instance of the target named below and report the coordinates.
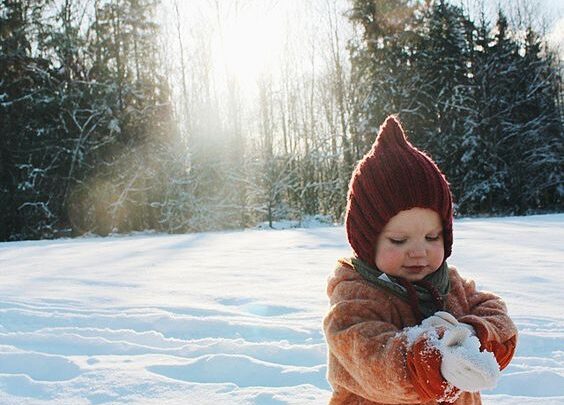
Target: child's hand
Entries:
(463, 365)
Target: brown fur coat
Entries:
(369, 361)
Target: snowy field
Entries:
(235, 317)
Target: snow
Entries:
(308, 221)
(235, 317)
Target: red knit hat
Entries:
(394, 176)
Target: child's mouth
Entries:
(415, 269)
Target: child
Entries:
(403, 326)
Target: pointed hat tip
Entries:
(392, 131)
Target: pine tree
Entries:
(537, 147)
(482, 102)
(31, 150)
(518, 126)
(383, 65)
(443, 89)
(481, 178)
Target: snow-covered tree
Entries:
(484, 102)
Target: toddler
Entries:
(405, 327)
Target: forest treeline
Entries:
(101, 133)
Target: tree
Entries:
(32, 152)
(383, 65)
(483, 102)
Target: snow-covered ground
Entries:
(235, 317)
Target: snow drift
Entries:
(235, 317)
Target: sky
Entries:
(548, 14)
(556, 35)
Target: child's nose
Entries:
(417, 251)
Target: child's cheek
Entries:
(438, 255)
(397, 255)
(389, 257)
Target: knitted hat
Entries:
(394, 176)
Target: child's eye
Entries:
(397, 241)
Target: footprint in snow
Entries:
(255, 308)
(39, 367)
(243, 371)
(267, 399)
(532, 383)
(234, 301)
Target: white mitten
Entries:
(442, 318)
(463, 365)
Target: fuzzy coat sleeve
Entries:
(368, 354)
(487, 313)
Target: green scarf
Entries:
(427, 304)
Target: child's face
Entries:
(411, 244)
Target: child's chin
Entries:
(414, 276)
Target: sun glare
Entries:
(248, 45)
(243, 42)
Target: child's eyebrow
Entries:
(395, 232)
(403, 231)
